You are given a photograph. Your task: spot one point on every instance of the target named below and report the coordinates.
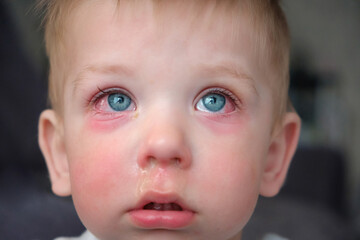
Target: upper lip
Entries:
(161, 198)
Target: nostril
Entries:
(173, 161)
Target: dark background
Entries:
(321, 198)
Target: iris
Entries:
(214, 102)
(119, 102)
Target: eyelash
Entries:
(225, 93)
(103, 93)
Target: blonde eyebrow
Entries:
(230, 70)
(101, 69)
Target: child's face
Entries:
(170, 117)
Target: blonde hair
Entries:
(269, 22)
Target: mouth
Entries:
(163, 206)
(161, 211)
(161, 202)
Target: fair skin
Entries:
(165, 147)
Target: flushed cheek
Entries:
(234, 178)
(238, 199)
(100, 154)
(108, 123)
(97, 177)
(239, 179)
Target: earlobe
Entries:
(52, 146)
(280, 153)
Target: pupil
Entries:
(210, 100)
(119, 100)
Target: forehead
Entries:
(143, 28)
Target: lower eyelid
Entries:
(108, 116)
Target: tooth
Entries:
(158, 206)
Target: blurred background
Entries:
(321, 198)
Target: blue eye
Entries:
(213, 102)
(119, 102)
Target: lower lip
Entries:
(151, 219)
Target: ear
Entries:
(51, 141)
(280, 153)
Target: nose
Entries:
(164, 144)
